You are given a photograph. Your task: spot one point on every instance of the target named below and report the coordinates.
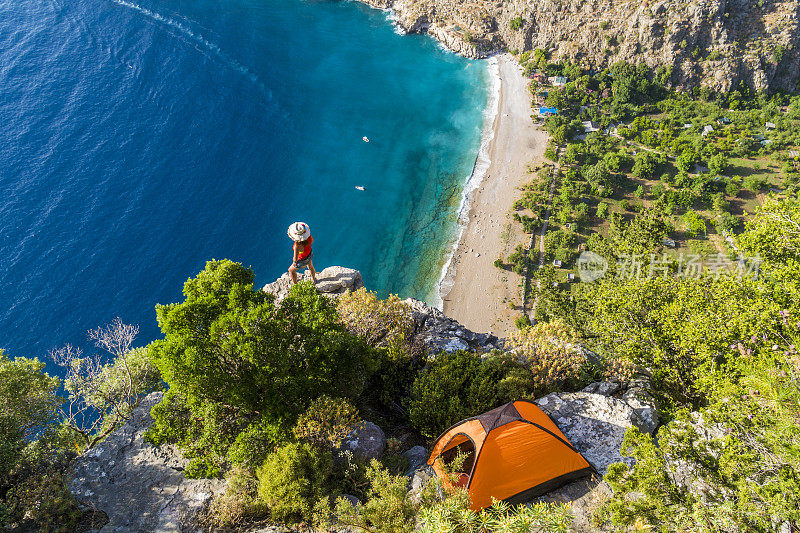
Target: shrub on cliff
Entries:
(234, 360)
(390, 508)
(389, 326)
(460, 384)
(382, 323)
(293, 479)
(554, 362)
(34, 450)
(28, 406)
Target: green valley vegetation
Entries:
(716, 321)
(701, 159)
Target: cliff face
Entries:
(717, 43)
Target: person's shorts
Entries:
(303, 263)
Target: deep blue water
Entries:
(138, 140)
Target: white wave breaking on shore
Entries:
(479, 170)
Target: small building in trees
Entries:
(590, 126)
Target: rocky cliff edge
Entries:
(141, 488)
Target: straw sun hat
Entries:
(299, 231)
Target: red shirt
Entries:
(306, 245)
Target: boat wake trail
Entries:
(204, 44)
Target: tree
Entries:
(515, 23)
(718, 163)
(644, 165)
(773, 235)
(644, 234)
(597, 174)
(602, 210)
(28, 407)
(102, 396)
(686, 161)
(695, 224)
(234, 360)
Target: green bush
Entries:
(644, 165)
(29, 407)
(754, 183)
(327, 422)
(382, 323)
(458, 385)
(388, 508)
(292, 479)
(515, 23)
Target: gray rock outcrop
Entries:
(416, 457)
(593, 423)
(333, 281)
(366, 442)
(440, 333)
(139, 487)
(432, 328)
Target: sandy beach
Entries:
(481, 293)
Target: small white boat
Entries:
(365, 139)
(361, 188)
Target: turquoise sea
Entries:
(140, 139)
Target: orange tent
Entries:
(513, 453)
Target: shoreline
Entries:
(472, 290)
(479, 172)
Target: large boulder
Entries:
(366, 442)
(416, 457)
(593, 423)
(138, 486)
(333, 281)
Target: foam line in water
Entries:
(196, 38)
(479, 170)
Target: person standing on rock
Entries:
(302, 256)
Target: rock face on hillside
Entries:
(333, 281)
(717, 43)
(138, 486)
